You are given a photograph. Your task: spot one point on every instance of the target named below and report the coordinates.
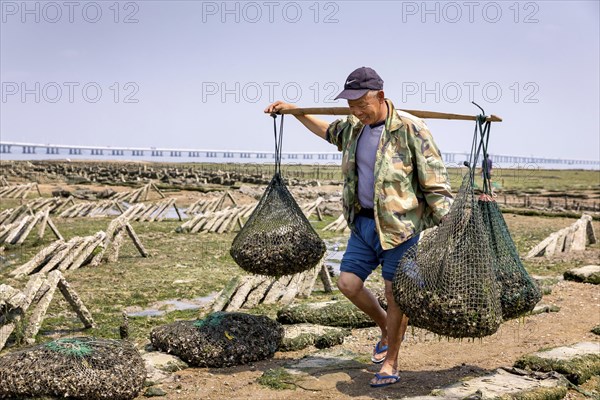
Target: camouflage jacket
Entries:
(412, 189)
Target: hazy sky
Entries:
(197, 74)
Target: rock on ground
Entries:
(587, 274)
(577, 362)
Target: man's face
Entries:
(368, 109)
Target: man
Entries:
(395, 185)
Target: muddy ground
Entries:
(426, 362)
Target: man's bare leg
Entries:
(354, 289)
(397, 323)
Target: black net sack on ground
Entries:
(222, 339)
(446, 283)
(519, 292)
(278, 238)
(77, 368)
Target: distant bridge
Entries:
(246, 155)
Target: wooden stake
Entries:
(91, 244)
(255, 297)
(39, 258)
(76, 304)
(35, 320)
(177, 211)
(11, 297)
(231, 197)
(28, 228)
(238, 299)
(15, 232)
(591, 235)
(158, 190)
(310, 279)
(292, 289)
(54, 229)
(43, 224)
(136, 241)
(59, 256)
(277, 290)
(223, 297)
(326, 279)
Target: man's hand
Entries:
(278, 106)
(315, 125)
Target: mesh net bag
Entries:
(78, 368)
(519, 292)
(446, 283)
(278, 238)
(222, 339)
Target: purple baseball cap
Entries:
(359, 82)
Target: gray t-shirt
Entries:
(365, 163)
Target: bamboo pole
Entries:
(416, 113)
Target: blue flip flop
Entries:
(380, 377)
(378, 350)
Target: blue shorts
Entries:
(364, 252)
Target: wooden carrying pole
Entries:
(416, 113)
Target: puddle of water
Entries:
(333, 256)
(147, 313)
(172, 214)
(165, 306)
